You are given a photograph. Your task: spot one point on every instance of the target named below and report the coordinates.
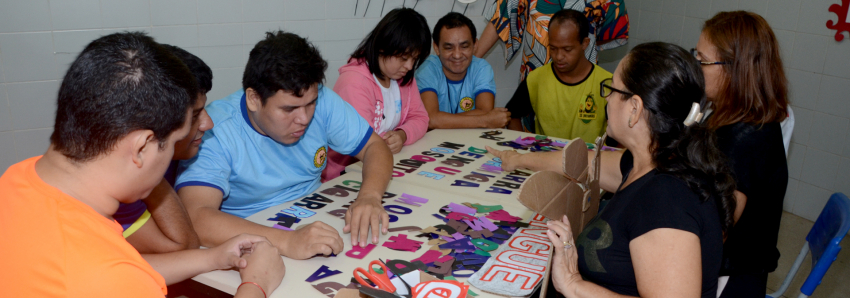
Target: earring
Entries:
(630, 118)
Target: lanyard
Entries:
(455, 107)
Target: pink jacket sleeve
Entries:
(359, 92)
(354, 89)
(415, 125)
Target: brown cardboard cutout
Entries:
(574, 193)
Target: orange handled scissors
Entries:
(381, 280)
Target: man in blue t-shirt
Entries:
(159, 223)
(457, 88)
(269, 146)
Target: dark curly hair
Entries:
(283, 61)
(670, 80)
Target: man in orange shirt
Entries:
(123, 104)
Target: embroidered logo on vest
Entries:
(587, 111)
(319, 158)
(466, 104)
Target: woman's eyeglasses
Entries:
(606, 89)
(696, 55)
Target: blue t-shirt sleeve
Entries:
(211, 167)
(427, 76)
(347, 131)
(483, 77)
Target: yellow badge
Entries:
(587, 111)
(319, 158)
(466, 104)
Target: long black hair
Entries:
(403, 31)
(670, 80)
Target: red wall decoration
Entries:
(843, 24)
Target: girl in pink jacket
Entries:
(378, 82)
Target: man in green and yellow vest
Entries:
(564, 94)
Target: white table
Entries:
(439, 193)
(440, 175)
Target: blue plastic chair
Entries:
(823, 241)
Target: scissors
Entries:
(381, 281)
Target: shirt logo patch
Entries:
(466, 104)
(587, 111)
(319, 158)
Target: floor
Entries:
(792, 234)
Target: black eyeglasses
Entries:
(696, 55)
(606, 90)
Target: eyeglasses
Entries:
(696, 55)
(606, 90)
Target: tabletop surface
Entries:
(466, 179)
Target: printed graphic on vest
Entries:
(466, 104)
(587, 111)
(319, 158)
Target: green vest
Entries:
(568, 111)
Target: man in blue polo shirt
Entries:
(457, 88)
(269, 146)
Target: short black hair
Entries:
(576, 17)
(202, 72)
(120, 83)
(402, 31)
(453, 20)
(283, 61)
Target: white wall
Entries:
(818, 70)
(40, 38)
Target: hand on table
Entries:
(362, 214)
(565, 273)
(395, 140)
(510, 158)
(498, 118)
(264, 267)
(230, 253)
(313, 239)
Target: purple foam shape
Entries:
(488, 224)
(521, 141)
(461, 209)
(491, 168)
(277, 226)
(464, 244)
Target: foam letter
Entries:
(464, 183)
(446, 170)
(411, 200)
(431, 175)
(323, 272)
(358, 253)
(400, 242)
(397, 209)
(298, 212)
(494, 189)
(451, 145)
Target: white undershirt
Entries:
(392, 106)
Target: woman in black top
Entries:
(661, 235)
(746, 83)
